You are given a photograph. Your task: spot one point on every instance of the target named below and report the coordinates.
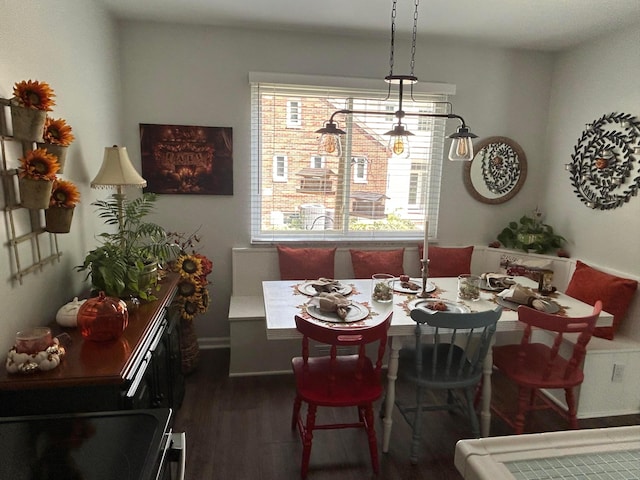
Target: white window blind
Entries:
(366, 194)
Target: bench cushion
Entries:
(368, 262)
(306, 263)
(589, 284)
(448, 261)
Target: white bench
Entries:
(601, 394)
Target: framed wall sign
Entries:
(184, 159)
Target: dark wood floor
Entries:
(239, 428)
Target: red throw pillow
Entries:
(448, 261)
(588, 285)
(367, 262)
(306, 263)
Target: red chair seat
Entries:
(540, 371)
(344, 390)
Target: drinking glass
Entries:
(468, 287)
(382, 287)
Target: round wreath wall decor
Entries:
(605, 165)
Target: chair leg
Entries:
(571, 404)
(416, 427)
(307, 438)
(478, 394)
(524, 396)
(371, 434)
(475, 425)
(297, 403)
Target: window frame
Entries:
(355, 162)
(291, 121)
(285, 161)
(262, 83)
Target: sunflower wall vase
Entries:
(34, 193)
(58, 219)
(60, 151)
(28, 123)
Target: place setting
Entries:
(517, 295)
(335, 308)
(312, 288)
(406, 284)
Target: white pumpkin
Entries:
(67, 315)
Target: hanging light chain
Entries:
(393, 35)
(414, 36)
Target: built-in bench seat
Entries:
(602, 393)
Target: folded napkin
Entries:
(328, 285)
(497, 280)
(332, 303)
(523, 296)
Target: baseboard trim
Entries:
(209, 343)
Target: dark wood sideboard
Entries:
(142, 369)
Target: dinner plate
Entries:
(397, 286)
(484, 285)
(306, 288)
(549, 306)
(452, 307)
(356, 312)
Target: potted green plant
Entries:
(531, 235)
(126, 263)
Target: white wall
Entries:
(72, 45)
(598, 78)
(199, 76)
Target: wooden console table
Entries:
(142, 369)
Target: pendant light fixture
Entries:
(461, 144)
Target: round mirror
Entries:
(497, 172)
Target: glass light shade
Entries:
(399, 141)
(399, 146)
(329, 144)
(461, 150)
(462, 145)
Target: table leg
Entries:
(485, 414)
(390, 398)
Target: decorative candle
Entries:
(425, 254)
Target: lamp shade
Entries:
(117, 170)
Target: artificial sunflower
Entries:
(187, 287)
(189, 266)
(57, 132)
(189, 309)
(39, 165)
(34, 94)
(203, 301)
(64, 194)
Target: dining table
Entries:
(284, 299)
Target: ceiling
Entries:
(532, 24)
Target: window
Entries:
(294, 114)
(359, 165)
(317, 161)
(366, 194)
(280, 168)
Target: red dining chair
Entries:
(534, 366)
(338, 380)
